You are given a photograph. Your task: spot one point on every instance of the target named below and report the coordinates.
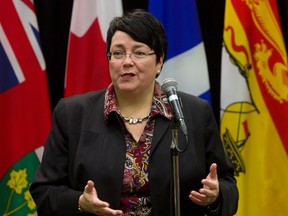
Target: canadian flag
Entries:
(87, 65)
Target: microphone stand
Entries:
(175, 170)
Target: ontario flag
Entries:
(186, 58)
(87, 64)
(24, 105)
(254, 105)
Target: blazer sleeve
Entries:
(51, 188)
(225, 171)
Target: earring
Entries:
(158, 73)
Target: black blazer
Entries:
(82, 146)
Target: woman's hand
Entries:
(210, 191)
(89, 202)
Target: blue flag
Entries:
(186, 58)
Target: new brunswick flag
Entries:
(254, 105)
(24, 106)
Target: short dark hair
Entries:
(142, 27)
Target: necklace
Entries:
(133, 120)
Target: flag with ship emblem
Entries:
(24, 105)
(254, 105)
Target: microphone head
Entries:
(168, 83)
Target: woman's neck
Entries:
(136, 106)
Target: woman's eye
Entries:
(139, 53)
(118, 53)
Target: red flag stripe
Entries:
(280, 119)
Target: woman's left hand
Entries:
(210, 191)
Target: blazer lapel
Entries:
(161, 129)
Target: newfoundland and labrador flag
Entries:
(87, 65)
(24, 105)
(254, 105)
(186, 58)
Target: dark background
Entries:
(54, 23)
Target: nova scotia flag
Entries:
(186, 59)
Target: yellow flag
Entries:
(254, 105)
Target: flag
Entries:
(87, 65)
(254, 105)
(24, 105)
(186, 58)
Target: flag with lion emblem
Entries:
(254, 105)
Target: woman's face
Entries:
(132, 74)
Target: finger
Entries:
(213, 171)
(109, 211)
(89, 188)
(199, 198)
(95, 201)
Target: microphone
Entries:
(169, 86)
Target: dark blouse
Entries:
(136, 198)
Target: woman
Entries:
(109, 153)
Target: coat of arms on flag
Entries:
(24, 105)
(254, 104)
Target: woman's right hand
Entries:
(89, 202)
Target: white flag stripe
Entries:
(11, 55)
(39, 152)
(191, 70)
(84, 14)
(233, 85)
(28, 18)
